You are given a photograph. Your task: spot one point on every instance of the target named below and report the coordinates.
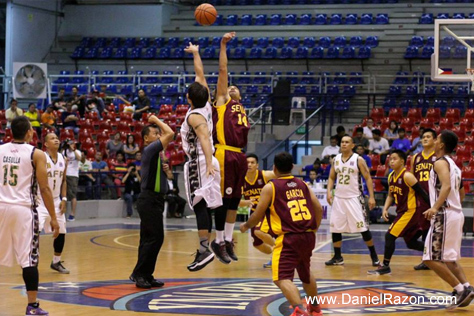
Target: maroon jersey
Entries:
(230, 124)
(253, 187)
(421, 169)
(402, 193)
(291, 210)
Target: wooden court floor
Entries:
(101, 258)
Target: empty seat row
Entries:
(458, 52)
(428, 18)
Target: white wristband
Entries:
(64, 199)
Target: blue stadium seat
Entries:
(336, 19)
(417, 41)
(156, 90)
(153, 77)
(471, 15)
(260, 79)
(300, 90)
(107, 79)
(267, 89)
(212, 77)
(79, 79)
(167, 79)
(366, 19)
(278, 42)
(171, 90)
(187, 40)
(101, 42)
(309, 42)
(442, 16)
(349, 91)
(340, 78)
(332, 52)
(122, 79)
(441, 104)
(143, 42)
(458, 104)
(126, 89)
(120, 53)
(412, 90)
(78, 53)
(355, 41)
(164, 53)
(325, 42)
(129, 42)
(294, 42)
(355, 78)
(292, 77)
(115, 42)
(308, 78)
(270, 53)
(340, 41)
(91, 53)
(372, 41)
(411, 52)
(334, 90)
(427, 18)
(255, 53)
(239, 53)
(444, 52)
(263, 42)
(275, 19)
(430, 90)
(247, 42)
(301, 53)
(203, 41)
(231, 20)
(460, 52)
(178, 53)
(150, 53)
(321, 19)
(216, 41)
(159, 42)
(462, 91)
(209, 52)
(395, 90)
(233, 43)
(290, 19)
(459, 16)
(315, 89)
(348, 52)
(312, 103)
(389, 103)
(342, 105)
(351, 18)
(252, 89)
(135, 53)
(381, 18)
(219, 20)
(447, 90)
(448, 41)
(305, 19)
(317, 53)
(173, 42)
(246, 19)
(286, 53)
(244, 78)
(261, 19)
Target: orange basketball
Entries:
(205, 14)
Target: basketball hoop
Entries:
(470, 72)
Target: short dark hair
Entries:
(400, 154)
(146, 130)
(283, 162)
(253, 156)
(359, 130)
(401, 129)
(312, 170)
(429, 130)
(20, 126)
(450, 141)
(333, 138)
(120, 153)
(198, 94)
(376, 132)
(370, 118)
(357, 147)
(340, 129)
(13, 100)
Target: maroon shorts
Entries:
(406, 225)
(293, 251)
(233, 167)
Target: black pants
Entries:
(176, 204)
(150, 206)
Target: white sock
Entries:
(459, 288)
(229, 231)
(56, 259)
(467, 284)
(219, 236)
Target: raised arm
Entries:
(222, 95)
(167, 133)
(198, 66)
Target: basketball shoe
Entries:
(220, 252)
(31, 310)
(382, 269)
(335, 261)
(229, 247)
(299, 312)
(314, 310)
(201, 260)
(463, 299)
(421, 266)
(59, 267)
(268, 265)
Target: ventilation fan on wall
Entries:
(29, 81)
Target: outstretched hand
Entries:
(191, 48)
(227, 37)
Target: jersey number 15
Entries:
(13, 176)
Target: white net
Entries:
(470, 72)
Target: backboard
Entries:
(453, 50)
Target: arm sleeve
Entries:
(419, 191)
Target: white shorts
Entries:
(348, 215)
(443, 242)
(44, 219)
(19, 236)
(199, 186)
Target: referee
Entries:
(150, 204)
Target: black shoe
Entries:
(220, 252)
(155, 283)
(375, 262)
(229, 247)
(469, 297)
(142, 283)
(462, 299)
(335, 261)
(381, 270)
(421, 266)
(201, 260)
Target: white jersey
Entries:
(453, 201)
(55, 174)
(348, 182)
(18, 175)
(191, 144)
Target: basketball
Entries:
(205, 14)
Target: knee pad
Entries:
(367, 235)
(336, 237)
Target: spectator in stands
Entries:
(176, 203)
(142, 104)
(315, 166)
(114, 145)
(138, 160)
(60, 101)
(359, 139)
(132, 181)
(368, 129)
(313, 179)
(416, 145)
(70, 119)
(326, 172)
(131, 148)
(48, 118)
(33, 115)
(340, 133)
(119, 166)
(391, 133)
(85, 177)
(73, 156)
(330, 150)
(77, 101)
(100, 166)
(97, 102)
(379, 146)
(103, 91)
(12, 112)
(401, 143)
(361, 152)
